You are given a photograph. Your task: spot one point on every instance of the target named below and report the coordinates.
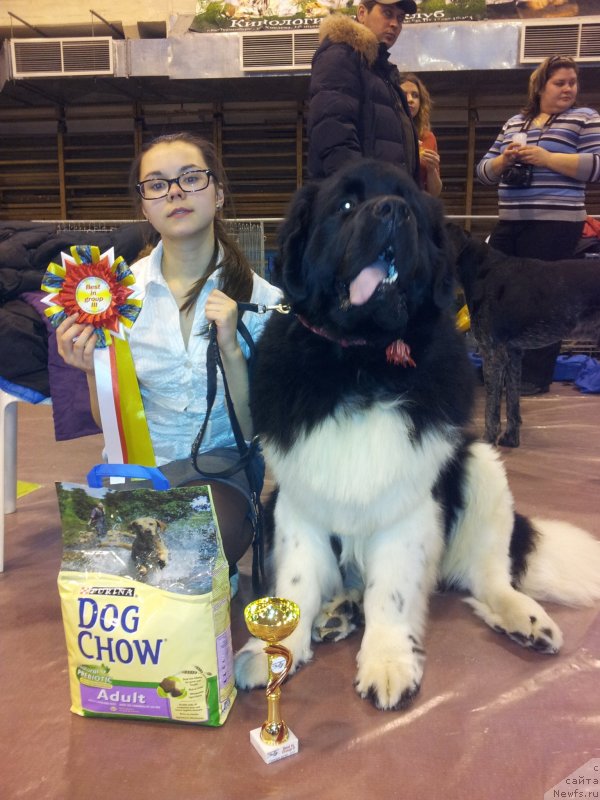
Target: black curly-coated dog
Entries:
(360, 398)
(517, 304)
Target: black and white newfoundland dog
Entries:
(361, 397)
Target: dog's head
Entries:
(147, 528)
(363, 252)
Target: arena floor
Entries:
(492, 720)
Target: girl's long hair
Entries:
(236, 274)
(540, 77)
(422, 120)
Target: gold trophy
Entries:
(273, 619)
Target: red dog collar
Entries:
(397, 352)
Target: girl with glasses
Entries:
(193, 277)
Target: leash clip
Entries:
(281, 308)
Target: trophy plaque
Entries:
(273, 619)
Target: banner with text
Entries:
(218, 15)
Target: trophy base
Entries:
(274, 752)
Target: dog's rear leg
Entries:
(340, 616)
(494, 369)
(478, 557)
(514, 358)
(306, 571)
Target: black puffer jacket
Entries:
(356, 105)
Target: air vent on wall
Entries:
(47, 58)
(278, 50)
(580, 40)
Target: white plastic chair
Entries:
(8, 459)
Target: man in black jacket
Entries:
(357, 108)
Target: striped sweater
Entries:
(551, 196)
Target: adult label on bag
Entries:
(152, 641)
(153, 654)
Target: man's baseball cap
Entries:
(406, 5)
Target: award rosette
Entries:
(101, 290)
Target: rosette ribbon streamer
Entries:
(101, 290)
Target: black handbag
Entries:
(250, 458)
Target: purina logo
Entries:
(108, 591)
(583, 784)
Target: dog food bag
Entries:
(144, 588)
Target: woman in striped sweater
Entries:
(541, 180)
(542, 160)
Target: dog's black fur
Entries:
(375, 451)
(517, 304)
(418, 308)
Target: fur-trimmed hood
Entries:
(342, 29)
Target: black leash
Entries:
(248, 453)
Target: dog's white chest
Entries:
(360, 460)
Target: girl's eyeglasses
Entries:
(193, 181)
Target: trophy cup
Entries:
(273, 619)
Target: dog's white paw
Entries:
(338, 618)
(251, 663)
(390, 673)
(522, 619)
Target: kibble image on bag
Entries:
(144, 587)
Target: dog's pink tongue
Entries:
(365, 283)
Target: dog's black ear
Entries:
(440, 253)
(458, 239)
(292, 237)
(467, 256)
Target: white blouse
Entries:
(172, 378)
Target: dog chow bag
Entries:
(144, 588)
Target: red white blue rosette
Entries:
(101, 291)
(97, 287)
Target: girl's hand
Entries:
(223, 311)
(430, 160)
(76, 343)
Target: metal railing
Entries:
(248, 233)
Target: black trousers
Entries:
(550, 241)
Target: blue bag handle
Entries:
(95, 475)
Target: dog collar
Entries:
(397, 352)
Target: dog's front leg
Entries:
(510, 437)
(401, 571)
(306, 571)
